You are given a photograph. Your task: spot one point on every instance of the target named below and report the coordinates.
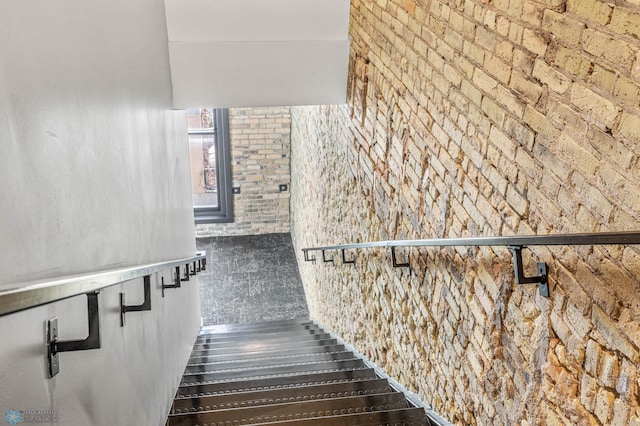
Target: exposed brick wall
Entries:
(260, 151)
(469, 118)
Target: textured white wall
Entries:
(93, 160)
(94, 174)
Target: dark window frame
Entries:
(223, 213)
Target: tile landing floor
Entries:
(249, 279)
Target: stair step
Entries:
(268, 333)
(282, 324)
(402, 416)
(283, 373)
(261, 342)
(291, 411)
(282, 395)
(265, 347)
(252, 355)
(251, 385)
(273, 371)
(268, 361)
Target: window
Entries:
(208, 131)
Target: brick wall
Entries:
(260, 150)
(469, 118)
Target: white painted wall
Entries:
(251, 53)
(257, 20)
(259, 73)
(94, 174)
(92, 156)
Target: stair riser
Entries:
(258, 333)
(279, 346)
(252, 355)
(253, 385)
(274, 371)
(277, 396)
(260, 342)
(404, 417)
(289, 411)
(268, 361)
(233, 328)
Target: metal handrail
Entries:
(515, 243)
(41, 292)
(626, 237)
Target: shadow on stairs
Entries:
(284, 372)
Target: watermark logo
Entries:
(13, 417)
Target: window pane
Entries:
(204, 173)
(201, 118)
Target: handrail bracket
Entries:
(92, 341)
(325, 260)
(394, 261)
(311, 259)
(344, 258)
(145, 306)
(186, 273)
(540, 279)
(176, 283)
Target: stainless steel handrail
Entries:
(626, 237)
(41, 292)
(515, 243)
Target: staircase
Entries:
(283, 372)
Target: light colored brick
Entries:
(503, 142)
(485, 38)
(497, 68)
(612, 335)
(629, 127)
(549, 76)
(564, 27)
(627, 92)
(572, 62)
(526, 88)
(588, 391)
(604, 78)
(625, 21)
(539, 123)
(608, 369)
(602, 45)
(604, 405)
(580, 158)
(601, 109)
(493, 110)
(620, 413)
(593, 10)
(534, 42)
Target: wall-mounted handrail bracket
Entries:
(186, 273)
(344, 259)
(325, 260)
(394, 260)
(176, 281)
(540, 279)
(92, 341)
(194, 270)
(311, 259)
(145, 306)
